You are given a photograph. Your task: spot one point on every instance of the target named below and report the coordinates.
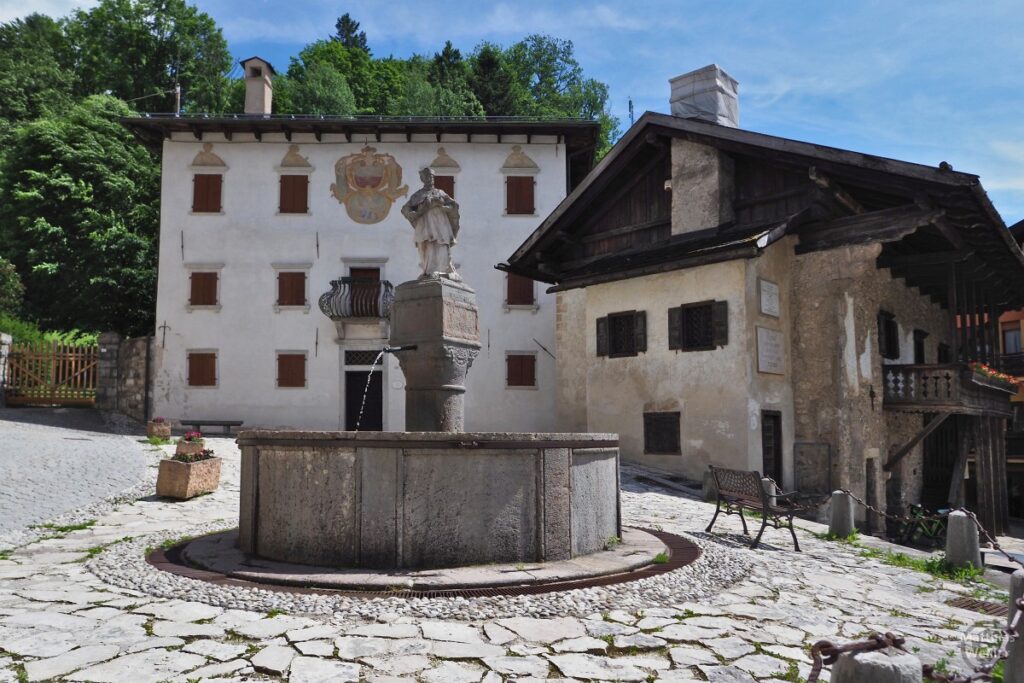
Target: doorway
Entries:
(373, 413)
(771, 445)
(940, 455)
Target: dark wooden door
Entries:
(373, 414)
(771, 445)
(939, 461)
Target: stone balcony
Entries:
(944, 388)
(360, 308)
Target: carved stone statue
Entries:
(435, 218)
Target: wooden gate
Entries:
(51, 374)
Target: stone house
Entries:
(281, 236)
(731, 298)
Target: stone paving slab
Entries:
(58, 618)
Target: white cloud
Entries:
(14, 9)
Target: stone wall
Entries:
(838, 382)
(122, 384)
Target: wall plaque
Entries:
(769, 294)
(771, 356)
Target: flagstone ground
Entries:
(59, 620)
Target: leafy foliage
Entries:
(78, 217)
(346, 31)
(11, 289)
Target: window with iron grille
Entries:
(294, 194)
(700, 326)
(291, 370)
(206, 191)
(361, 357)
(291, 288)
(622, 334)
(202, 289)
(521, 370)
(202, 369)
(888, 336)
(661, 433)
(943, 354)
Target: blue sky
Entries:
(920, 81)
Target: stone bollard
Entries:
(962, 540)
(709, 488)
(841, 519)
(1013, 671)
(769, 488)
(882, 666)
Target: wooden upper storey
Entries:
(931, 221)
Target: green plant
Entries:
(66, 528)
(661, 558)
(5, 554)
(157, 441)
(273, 613)
(204, 454)
(936, 565)
(611, 542)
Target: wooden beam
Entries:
(941, 258)
(625, 230)
(934, 424)
(841, 195)
(887, 225)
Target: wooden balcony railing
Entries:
(357, 298)
(951, 388)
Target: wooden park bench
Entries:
(739, 490)
(197, 425)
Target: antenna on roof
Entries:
(631, 110)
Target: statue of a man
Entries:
(435, 218)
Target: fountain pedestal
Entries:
(439, 317)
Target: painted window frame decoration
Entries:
(207, 164)
(293, 165)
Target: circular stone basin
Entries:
(219, 554)
(414, 500)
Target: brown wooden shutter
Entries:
(206, 190)
(720, 323)
(520, 370)
(446, 183)
(203, 289)
(294, 194)
(202, 369)
(291, 370)
(519, 195)
(640, 331)
(520, 290)
(602, 336)
(529, 370)
(291, 289)
(675, 327)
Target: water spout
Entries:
(399, 349)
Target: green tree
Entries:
(373, 82)
(346, 31)
(141, 48)
(318, 89)
(11, 289)
(498, 92)
(35, 69)
(448, 73)
(79, 210)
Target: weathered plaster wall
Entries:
(838, 379)
(250, 236)
(709, 388)
(571, 368)
(700, 176)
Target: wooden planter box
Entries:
(158, 429)
(184, 480)
(189, 447)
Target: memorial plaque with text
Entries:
(770, 351)
(769, 294)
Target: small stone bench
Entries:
(197, 425)
(739, 490)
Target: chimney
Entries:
(708, 94)
(259, 89)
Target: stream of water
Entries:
(366, 389)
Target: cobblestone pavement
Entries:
(59, 621)
(56, 460)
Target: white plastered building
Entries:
(261, 215)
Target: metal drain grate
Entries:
(993, 609)
(681, 553)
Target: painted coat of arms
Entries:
(368, 184)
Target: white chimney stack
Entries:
(708, 94)
(259, 89)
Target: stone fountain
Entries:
(434, 496)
